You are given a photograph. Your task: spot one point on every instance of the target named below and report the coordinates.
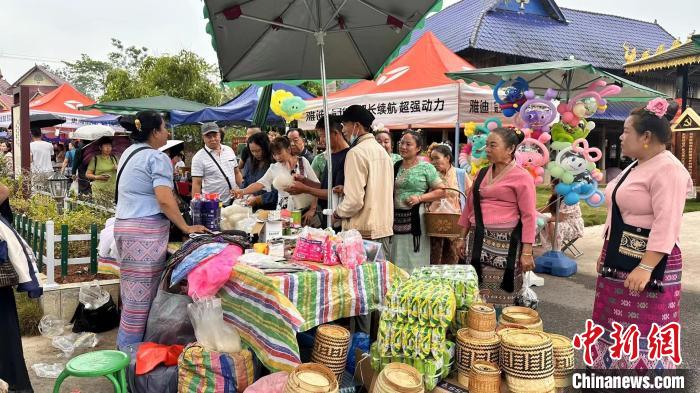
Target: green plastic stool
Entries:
(106, 363)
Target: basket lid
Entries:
(482, 308)
(485, 367)
(313, 378)
(333, 331)
(403, 376)
(559, 341)
(525, 338)
(519, 314)
(463, 336)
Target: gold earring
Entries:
(646, 146)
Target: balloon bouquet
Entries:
(578, 175)
(477, 134)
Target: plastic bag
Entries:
(208, 277)
(273, 383)
(527, 297)
(207, 317)
(51, 326)
(68, 343)
(310, 245)
(48, 370)
(446, 207)
(92, 296)
(352, 251)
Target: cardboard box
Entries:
(267, 230)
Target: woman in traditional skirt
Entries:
(415, 182)
(640, 263)
(500, 220)
(145, 208)
(442, 249)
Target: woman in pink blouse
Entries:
(500, 220)
(640, 263)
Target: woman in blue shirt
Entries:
(145, 208)
(257, 164)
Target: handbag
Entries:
(627, 245)
(8, 274)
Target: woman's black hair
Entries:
(417, 136)
(445, 150)
(280, 143)
(260, 139)
(660, 127)
(9, 146)
(511, 136)
(383, 132)
(142, 124)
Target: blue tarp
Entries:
(239, 110)
(104, 119)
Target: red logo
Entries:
(665, 341)
(626, 342)
(587, 339)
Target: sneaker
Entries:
(534, 279)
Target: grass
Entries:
(596, 215)
(30, 313)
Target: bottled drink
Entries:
(211, 212)
(196, 209)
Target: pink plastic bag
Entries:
(352, 250)
(273, 383)
(330, 251)
(308, 249)
(208, 277)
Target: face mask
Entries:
(353, 137)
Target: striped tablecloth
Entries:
(268, 311)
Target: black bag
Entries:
(100, 320)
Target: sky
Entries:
(48, 31)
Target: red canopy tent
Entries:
(413, 91)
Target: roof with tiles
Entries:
(540, 33)
(5, 86)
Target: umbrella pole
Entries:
(456, 158)
(329, 164)
(555, 245)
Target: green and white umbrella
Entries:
(569, 77)
(293, 40)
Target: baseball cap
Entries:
(209, 127)
(359, 114)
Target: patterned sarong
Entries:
(141, 244)
(615, 303)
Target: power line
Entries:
(26, 57)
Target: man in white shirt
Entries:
(41, 154)
(214, 166)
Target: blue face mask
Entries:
(353, 137)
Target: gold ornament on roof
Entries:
(660, 49)
(645, 55)
(630, 53)
(676, 43)
(690, 36)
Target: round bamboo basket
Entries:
(443, 224)
(463, 379)
(481, 317)
(485, 377)
(399, 378)
(524, 316)
(504, 328)
(311, 378)
(480, 334)
(471, 349)
(331, 347)
(563, 353)
(527, 359)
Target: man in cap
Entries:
(368, 205)
(214, 166)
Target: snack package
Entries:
(310, 245)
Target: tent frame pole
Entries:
(329, 162)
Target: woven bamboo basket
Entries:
(481, 317)
(563, 353)
(311, 378)
(504, 328)
(485, 377)
(524, 316)
(471, 349)
(331, 348)
(527, 359)
(443, 224)
(399, 378)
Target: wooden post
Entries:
(35, 236)
(50, 254)
(42, 243)
(64, 250)
(93, 248)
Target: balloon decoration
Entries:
(464, 154)
(477, 137)
(563, 134)
(588, 103)
(537, 114)
(576, 170)
(287, 106)
(532, 155)
(513, 96)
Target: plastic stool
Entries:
(107, 363)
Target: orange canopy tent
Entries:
(413, 91)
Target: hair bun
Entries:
(671, 110)
(129, 123)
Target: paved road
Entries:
(565, 303)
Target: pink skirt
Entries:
(615, 303)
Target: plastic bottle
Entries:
(211, 212)
(196, 209)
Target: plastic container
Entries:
(211, 212)
(196, 209)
